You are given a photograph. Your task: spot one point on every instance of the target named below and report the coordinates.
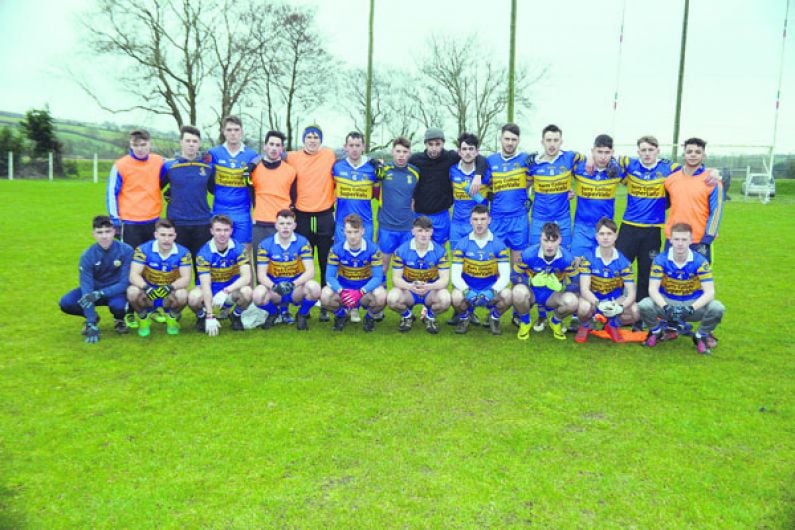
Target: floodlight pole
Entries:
(778, 90)
(368, 105)
(680, 81)
(512, 63)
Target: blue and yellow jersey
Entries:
(284, 263)
(545, 275)
(157, 269)
(646, 192)
(479, 265)
(231, 187)
(355, 269)
(551, 186)
(223, 267)
(596, 193)
(507, 179)
(681, 283)
(416, 267)
(397, 192)
(353, 187)
(462, 200)
(607, 277)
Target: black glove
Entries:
(528, 203)
(92, 334)
(377, 164)
(159, 291)
(89, 298)
(283, 288)
(612, 171)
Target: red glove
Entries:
(350, 298)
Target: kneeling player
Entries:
(104, 277)
(285, 268)
(224, 278)
(159, 277)
(481, 272)
(681, 290)
(420, 274)
(606, 285)
(354, 276)
(548, 268)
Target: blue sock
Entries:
(495, 314)
(555, 319)
(406, 313)
(429, 313)
(306, 305)
(270, 307)
(340, 312)
(238, 311)
(525, 318)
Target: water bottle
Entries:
(477, 197)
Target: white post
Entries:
(96, 172)
(49, 172)
(10, 165)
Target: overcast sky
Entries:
(731, 75)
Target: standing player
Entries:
(551, 178)
(354, 277)
(159, 277)
(224, 278)
(461, 176)
(420, 274)
(354, 178)
(433, 195)
(606, 285)
(508, 183)
(272, 181)
(285, 270)
(693, 200)
(596, 193)
(547, 267)
(481, 272)
(104, 277)
(396, 212)
(681, 289)
(187, 179)
(230, 181)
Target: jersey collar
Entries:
(156, 248)
(215, 250)
(360, 249)
(278, 241)
(489, 236)
(413, 245)
(671, 256)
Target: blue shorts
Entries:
(339, 231)
(565, 231)
(513, 230)
(241, 227)
(418, 299)
(390, 240)
(459, 231)
(541, 296)
(584, 239)
(441, 226)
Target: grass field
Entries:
(281, 429)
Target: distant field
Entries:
(354, 430)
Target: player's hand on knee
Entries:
(219, 298)
(88, 299)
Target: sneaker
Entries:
(524, 331)
(431, 326)
(557, 330)
(463, 326)
(711, 341)
(119, 326)
(516, 321)
(301, 323)
(270, 321)
(475, 321)
(339, 323)
(159, 317)
(130, 320)
(574, 325)
(582, 334)
(669, 334)
(540, 325)
(172, 326)
(287, 318)
(84, 331)
(638, 326)
(237, 322)
(323, 315)
(200, 324)
(701, 345)
(494, 325)
(405, 323)
(454, 320)
(355, 316)
(379, 317)
(652, 339)
(144, 326)
(368, 324)
(614, 333)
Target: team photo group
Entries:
(243, 231)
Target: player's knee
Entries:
(394, 298)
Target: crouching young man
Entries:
(420, 274)
(159, 277)
(224, 279)
(606, 285)
(681, 289)
(481, 272)
(541, 276)
(285, 271)
(354, 277)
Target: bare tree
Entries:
(164, 43)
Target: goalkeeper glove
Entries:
(92, 333)
(88, 299)
(211, 326)
(283, 288)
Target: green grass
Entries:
(281, 429)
